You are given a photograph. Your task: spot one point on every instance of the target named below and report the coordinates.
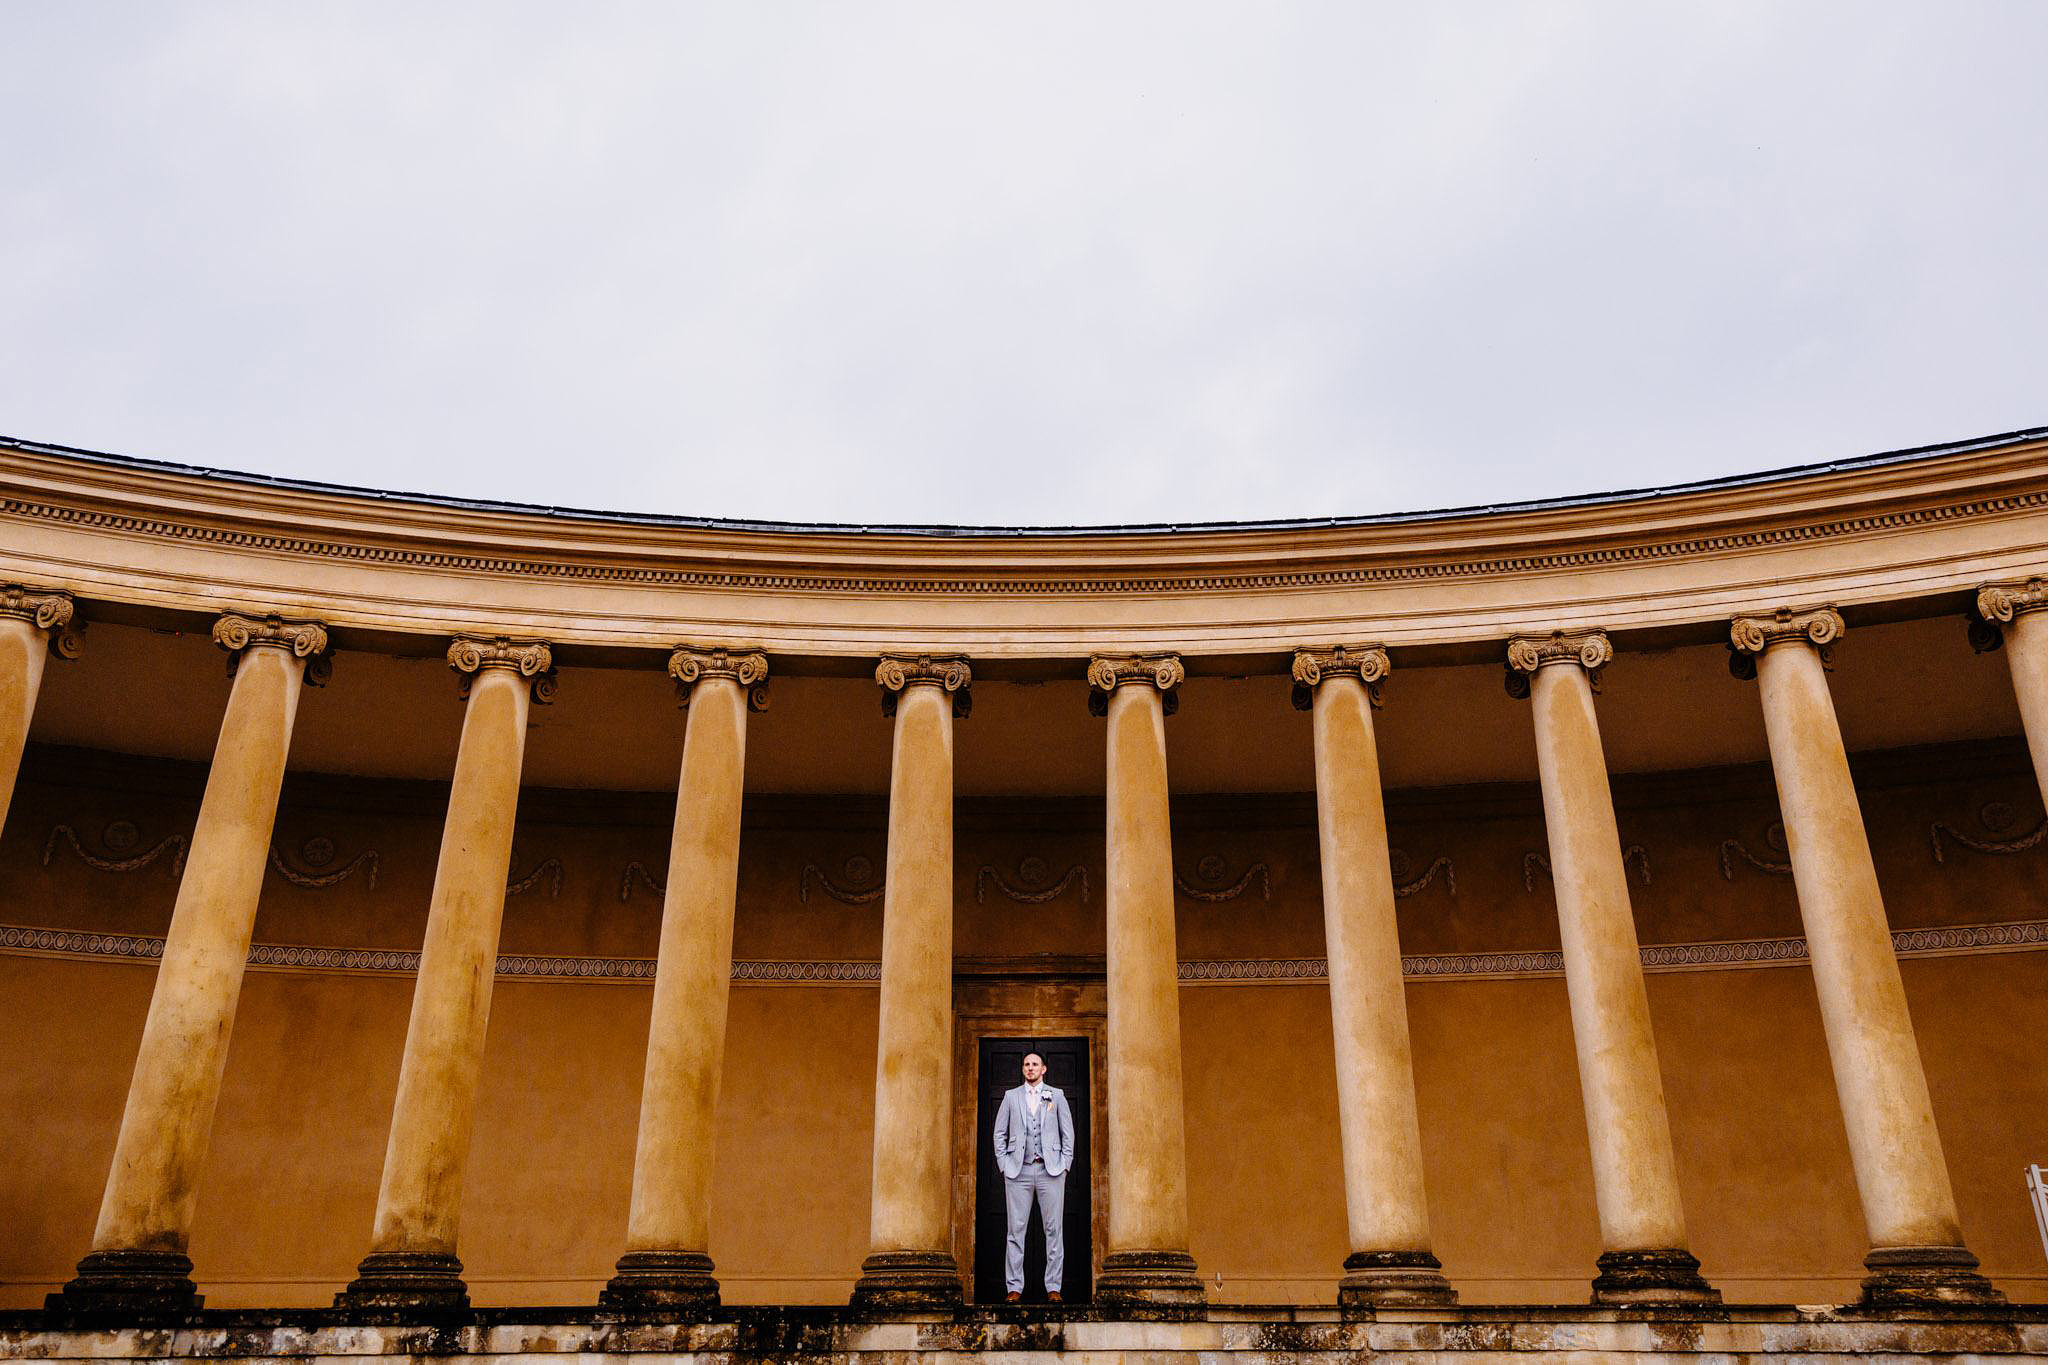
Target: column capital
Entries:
(898, 673)
(692, 664)
(303, 639)
(1998, 603)
(1108, 672)
(471, 655)
(48, 610)
(1589, 649)
(1367, 663)
(1749, 636)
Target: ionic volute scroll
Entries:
(1750, 636)
(1588, 649)
(1107, 672)
(895, 673)
(533, 660)
(1368, 663)
(302, 639)
(48, 610)
(692, 664)
(1998, 605)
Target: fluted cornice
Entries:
(692, 664)
(1820, 626)
(304, 639)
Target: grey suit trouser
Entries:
(1051, 1193)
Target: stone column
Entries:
(1917, 1256)
(1390, 1262)
(1635, 1176)
(2013, 613)
(666, 1265)
(910, 1262)
(1147, 1271)
(33, 622)
(412, 1263)
(138, 1263)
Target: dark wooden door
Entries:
(1000, 1067)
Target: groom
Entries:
(1034, 1146)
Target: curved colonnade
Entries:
(1777, 566)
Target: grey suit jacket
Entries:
(1055, 1132)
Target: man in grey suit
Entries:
(1034, 1147)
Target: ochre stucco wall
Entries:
(288, 1190)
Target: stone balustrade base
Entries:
(907, 1282)
(662, 1281)
(1035, 1335)
(400, 1282)
(1925, 1277)
(137, 1284)
(1393, 1279)
(1665, 1277)
(1150, 1285)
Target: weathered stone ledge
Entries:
(1263, 1336)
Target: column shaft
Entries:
(1908, 1205)
(2026, 650)
(1147, 1270)
(1388, 1216)
(1635, 1175)
(910, 1263)
(413, 1262)
(138, 1261)
(666, 1263)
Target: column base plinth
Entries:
(907, 1282)
(129, 1284)
(661, 1282)
(1652, 1277)
(1392, 1279)
(1926, 1277)
(406, 1282)
(1150, 1284)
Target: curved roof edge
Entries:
(1785, 473)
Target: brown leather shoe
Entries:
(1052, 1298)
(1013, 1297)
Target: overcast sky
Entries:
(1028, 264)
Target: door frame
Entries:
(1023, 1018)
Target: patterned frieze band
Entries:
(1367, 663)
(692, 664)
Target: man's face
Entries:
(1034, 1067)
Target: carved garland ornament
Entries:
(1635, 855)
(897, 672)
(1210, 883)
(1034, 885)
(1749, 636)
(1589, 649)
(1998, 818)
(47, 610)
(858, 871)
(692, 664)
(1368, 663)
(118, 838)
